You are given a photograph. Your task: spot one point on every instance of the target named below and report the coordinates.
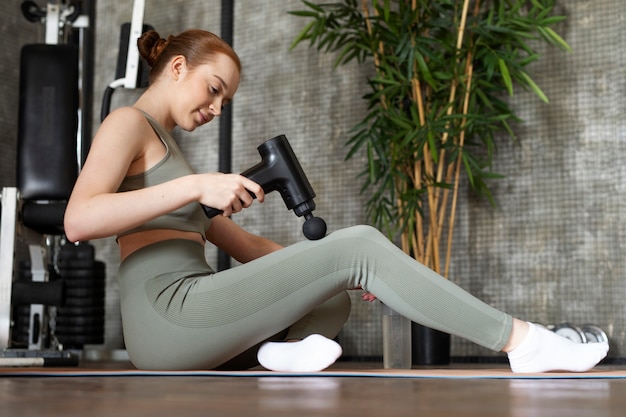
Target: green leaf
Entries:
(529, 81)
(557, 39)
(386, 11)
(433, 146)
(548, 21)
(303, 13)
(537, 4)
(485, 100)
(468, 169)
(506, 76)
(304, 34)
(370, 159)
(423, 67)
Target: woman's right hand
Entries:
(229, 193)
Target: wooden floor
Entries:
(179, 396)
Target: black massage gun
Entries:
(279, 170)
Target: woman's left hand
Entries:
(368, 296)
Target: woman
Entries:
(282, 306)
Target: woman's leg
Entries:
(178, 314)
(189, 318)
(326, 319)
(308, 346)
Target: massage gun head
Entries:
(314, 228)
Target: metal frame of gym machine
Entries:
(59, 17)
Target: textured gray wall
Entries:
(551, 251)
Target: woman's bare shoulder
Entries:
(124, 124)
(125, 115)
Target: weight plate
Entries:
(84, 302)
(82, 251)
(81, 321)
(84, 293)
(84, 311)
(95, 265)
(84, 283)
(21, 311)
(20, 339)
(78, 331)
(79, 341)
(76, 263)
(21, 321)
(571, 332)
(594, 333)
(81, 273)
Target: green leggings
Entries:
(177, 313)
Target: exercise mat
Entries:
(447, 373)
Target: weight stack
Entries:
(19, 332)
(81, 319)
(80, 316)
(26, 292)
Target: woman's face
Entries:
(204, 91)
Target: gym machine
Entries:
(51, 291)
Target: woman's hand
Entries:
(229, 193)
(368, 296)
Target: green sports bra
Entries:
(190, 218)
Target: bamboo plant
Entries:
(437, 102)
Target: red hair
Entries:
(196, 45)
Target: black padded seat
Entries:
(47, 162)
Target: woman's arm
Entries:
(96, 210)
(237, 242)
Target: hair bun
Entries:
(150, 45)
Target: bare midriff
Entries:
(135, 241)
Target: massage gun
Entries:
(279, 170)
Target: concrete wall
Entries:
(552, 249)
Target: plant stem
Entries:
(418, 236)
(436, 202)
(469, 72)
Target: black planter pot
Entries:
(429, 346)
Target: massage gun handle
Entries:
(212, 212)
